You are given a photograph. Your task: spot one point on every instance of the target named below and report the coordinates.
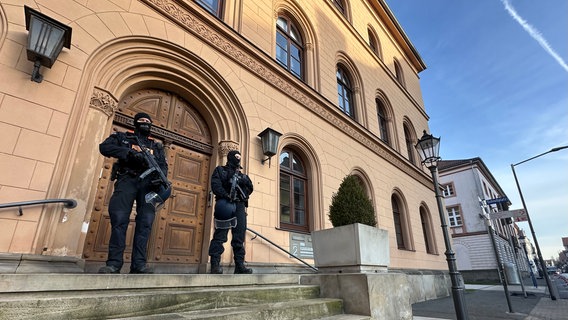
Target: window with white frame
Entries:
(454, 216)
(345, 91)
(289, 46)
(448, 190)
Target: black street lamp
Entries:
(429, 148)
(540, 259)
(46, 38)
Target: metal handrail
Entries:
(68, 203)
(279, 247)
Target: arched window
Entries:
(409, 144)
(363, 185)
(289, 47)
(383, 121)
(345, 92)
(215, 7)
(427, 231)
(340, 5)
(401, 223)
(294, 213)
(374, 42)
(398, 223)
(398, 72)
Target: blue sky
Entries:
(496, 87)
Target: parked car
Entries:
(552, 270)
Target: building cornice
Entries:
(398, 33)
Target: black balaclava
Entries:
(232, 161)
(142, 128)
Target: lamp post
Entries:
(429, 148)
(540, 259)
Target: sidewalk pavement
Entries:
(488, 302)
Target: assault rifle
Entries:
(236, 194)
(165, 187)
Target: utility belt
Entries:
(118, 170)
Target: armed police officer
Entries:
(127, 148)
(232, 190)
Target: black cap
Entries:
(140, 115)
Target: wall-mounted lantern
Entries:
(46, 38)
(269, 139)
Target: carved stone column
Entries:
(68, 237)
(226, 146)
(103, 101)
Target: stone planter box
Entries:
(355, 248)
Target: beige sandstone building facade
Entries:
(338, 79)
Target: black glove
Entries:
(136, 157)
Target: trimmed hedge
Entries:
(350, 204)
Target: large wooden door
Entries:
(177, 234)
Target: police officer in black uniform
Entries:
(129, 188)
(224, 189)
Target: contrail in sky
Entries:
(534, 33)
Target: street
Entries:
(488, 302)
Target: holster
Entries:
(114, 171)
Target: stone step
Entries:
(285, 310)
(346, 317)
(105, 303)
(79, 282)
(164, 296)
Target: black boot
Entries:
(216, 266)
(241, 269)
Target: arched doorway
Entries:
(176, 241)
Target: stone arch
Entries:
(113, 70)
(410, 140)
(391, 118)
(347, 7)
(164, 65)
(430, 234)
(372, 32)
(295, 141)
(309, 35)
(405, 217)
(358, 91)
(368, 184)
(399, 72)
(3, 25)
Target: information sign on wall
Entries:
(301, 245)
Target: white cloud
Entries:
(534, 33)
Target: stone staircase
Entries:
(161, 296)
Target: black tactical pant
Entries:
(128, 189)
(220, 237)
